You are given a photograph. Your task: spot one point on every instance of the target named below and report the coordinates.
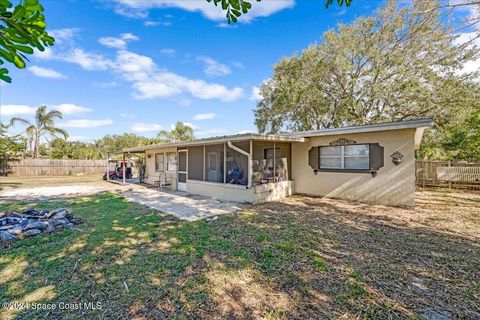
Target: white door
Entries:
(182, 170)
(212, 167)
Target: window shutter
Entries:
(376, 156)
(313, 158)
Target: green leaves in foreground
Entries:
(21, 30)
(235, 8)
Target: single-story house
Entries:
(367, 163)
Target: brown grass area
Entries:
(12, 182)
(303, 258)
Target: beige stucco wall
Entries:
(222, 191)
(393, 185)
(230, 192)
(150, 174)
(272, 191)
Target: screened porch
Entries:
(228, 162)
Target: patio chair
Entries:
(164, 180)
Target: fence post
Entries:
(449, 180)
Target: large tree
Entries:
(456, 134)
(43, 126)
(388, 66)
(22, 29)
(181, 132)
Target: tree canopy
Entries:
(42, 127)
(22, 29)
(392, 65)
(181, 132)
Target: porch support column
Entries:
(250, 166)
(274, 162)
(249, 156)
(124, 167)
(224, 163)
(204, 162)
(108, 165)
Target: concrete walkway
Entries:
(182, 205)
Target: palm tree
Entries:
(41, 127)
(181, 132)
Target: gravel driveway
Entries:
(58, 191)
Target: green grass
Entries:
(274, 261)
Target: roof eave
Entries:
(240, 137)
(411, 124)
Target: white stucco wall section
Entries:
(150, 174)
(393, 185)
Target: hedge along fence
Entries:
(451, 174)
(52, 167)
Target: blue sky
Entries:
(140, 66)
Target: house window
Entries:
(268, 153)
(349, 157)
(159, 162)
(171, 161)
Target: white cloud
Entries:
(134, 66)
(16, 109)
(129, 37)
(167, 84)
(145, 127)
(129, 12)
(63, 35)
(85, 123)
(118, 43)
(256, 94)
(87, 60)
(204, 116)
(148, 80)
(112, 42)
(69, 108)
(150, 23)
(47, 54)
(208, 10)
(46, 73)
(151, 82)
(168, 52)
(108, 84)
(214, 68)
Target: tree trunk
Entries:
(36, 154)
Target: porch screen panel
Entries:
(195, 163)
(237, 167)
(214, 163)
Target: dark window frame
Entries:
(265, 151)
(320, 169)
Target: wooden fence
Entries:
(451, 174)
(51, 167)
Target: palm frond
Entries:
(57, 131)
(14, 120)
(54, 114)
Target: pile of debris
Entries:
(18, 225)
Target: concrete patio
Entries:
(182, 205)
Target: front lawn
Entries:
(303, 258)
